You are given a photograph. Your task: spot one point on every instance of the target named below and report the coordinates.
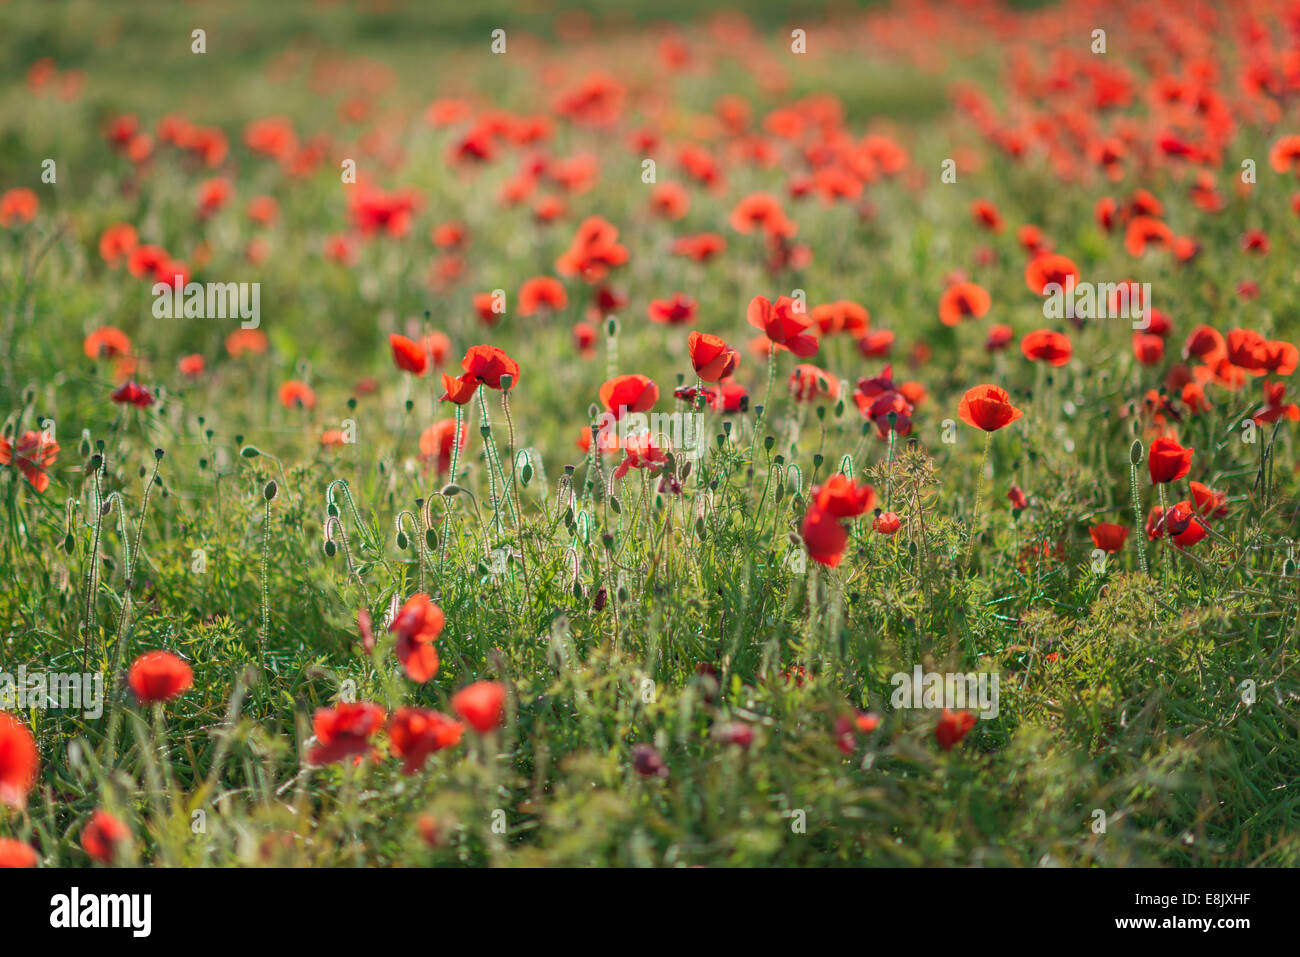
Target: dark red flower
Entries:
(131, 393)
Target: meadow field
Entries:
(649, 434)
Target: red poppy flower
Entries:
(594, 252)
(1180, 522)
(824, 536)
(987, 407)
(538, 293)
(159, 676)
(999, 337)
(1148, 349)
(1275, 408)
(675, 311)
(192, 366)
(18, 207)
(1284, 154)
(436, 442)
(986, 215)
(1108, 536)
(297, 394)
(1146, 230)
(876, 344)
(952, 727)
(242, 341)
(963, 300)
(1280, 358)
(104, 836)
(130, 393)
(32, 456)
(841, 498)
(1049, 269)
(344, 731)
(1247, 350)
(629, 393)
(1209, 502)
(842, 316)
(670, 201)
(18, 761)
(458, 390)
(116, 243)
(783, 324)
(712, 358)
(213, 194)
(487, 364)
(1047, 345)
(879, 409)
(584, 339)
(761, 211)
(1168, 461)
(809, 383)
(1018, 499)
(701, 248)
(416, 733)
(641, 452)
(481, 705)
(608, 441)
(887, 523)
(408, 355)
(16, 854)
(417, 624)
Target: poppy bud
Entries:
(430, 538)
(449, 490)
(269, 490)
(1135, 452)
(401, 541)
(249, 452)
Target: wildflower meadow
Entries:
(649, 435)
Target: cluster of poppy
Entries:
(345, 731)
